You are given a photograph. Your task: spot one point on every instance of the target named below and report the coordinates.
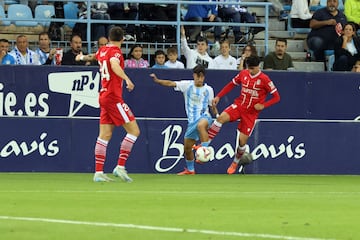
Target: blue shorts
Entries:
(192, 131)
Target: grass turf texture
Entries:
(179, 207)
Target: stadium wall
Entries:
(49, 123)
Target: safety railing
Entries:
(177, 24)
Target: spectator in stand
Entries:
(165, 12)
(125, 11)
(46, 54)
(232, 10)
(76, 49)
(173, 62)
(203, 13)
(352, 12)
(224, 60)
(102, 41)
(356, 67)
(278, 8)
(160, 59)
(135, 59)
(195, 56)
(99, 12)
(300, 14)
(5, 57)
(326, 26)
(347, 49)
(279, 60)
(248, 50)
(22, 54)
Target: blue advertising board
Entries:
(49, 123)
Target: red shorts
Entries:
(247, 120)
(116, 113)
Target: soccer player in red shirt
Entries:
(113, 110)
(255, 86)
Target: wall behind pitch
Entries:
(49, 122)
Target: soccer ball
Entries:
(246, 159)
(203, 154)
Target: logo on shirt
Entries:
(82, 87)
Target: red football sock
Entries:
(125, 148)
(100, 154)
(214, 129)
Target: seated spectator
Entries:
(195, 56)
(224, 60)
(135, 59)
(279, 59)
(98, 11)
(200, 13)
(160, 59)
(124, 11)
(356, 67)
(248, 50)
(22, 54)
(326, 25)
(347, 49)
(46, 54)
(172, 55)
(352, 12)
(5, 57)
(102, 41)
(278, 8)
(232, 10)
(300, 14)
(165, 12)
(76, 49)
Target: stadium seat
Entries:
(21, 12)
(2, 17)
(292, 31)
(70, 12)
(42, 12)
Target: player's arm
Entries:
(275, 98)
(162, 82)
(85, 58)
(117, 69)
(228, 87)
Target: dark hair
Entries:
(252, 61)
(253, 49)
(199, 69)
(159, 52)
(132, 49)
(4, 40)
(281, 40)
(201, 39)
(116, 34)
(75, 35)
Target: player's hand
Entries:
(129, 85)
(153, 76)
(259, 106)
(215, 101)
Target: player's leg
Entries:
(105, 133)
(240, 150)
(245, 127)
(189, 157)
(230, 114)
(133, 131)
(202, 128)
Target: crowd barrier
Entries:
(49, 122)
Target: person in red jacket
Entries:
(255, 86)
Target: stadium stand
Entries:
(21, 15)
(44, 12)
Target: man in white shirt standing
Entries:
(22, 54)
(195, 56)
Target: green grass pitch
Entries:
(66, 206)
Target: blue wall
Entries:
(50, 122)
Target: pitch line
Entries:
(154, 228)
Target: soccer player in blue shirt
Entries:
(198, 97)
